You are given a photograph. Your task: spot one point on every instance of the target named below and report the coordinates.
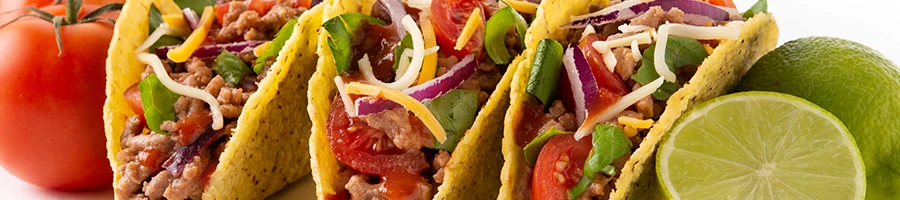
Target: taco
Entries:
(207, 106)
(409, 97)
(589, 106)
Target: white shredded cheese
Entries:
(419, 4)
(621, 7)
(623, 103)
(695, 32)
(641, 38)
(403, 64)
(432, 50)
(610, 60)
(625, 28)
(160, 71)
(410, 75)
(158, 33)
(348, 104)
(635, 51)
(587, 31)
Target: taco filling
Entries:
(205, 61)
(412, 78)
(592, 102)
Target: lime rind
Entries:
(783, 186)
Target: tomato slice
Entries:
(301, 3)
(449, 18)
(261, 6)
(133, 96)
(221, 9)
(366, 149)
(191, 126)
(402, 185)
(551, 177)
(605, 78)
(724, 3)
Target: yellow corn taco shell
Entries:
(717, 75)
(473, 171)
(269, 146)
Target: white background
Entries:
(870, 22)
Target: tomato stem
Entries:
(73, 8)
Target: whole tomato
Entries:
(51, 102)
(15, 4)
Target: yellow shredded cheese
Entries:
(709, 49)
(176, 21)
(183, 52)
(475, 20)
(636, 123)
(403, 99)
(629, 131)
(523, 6)
(259, 50)
(429, 64)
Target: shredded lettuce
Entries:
(230, 67)
(609, 144)
(158, 102)
(533, 148)
(680, 51)
(405, 43)
(495, 33)
(341, 29)
(456, 112)
(277, 44)
(545, 71)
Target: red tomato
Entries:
(261, 6)
(549, 180)
(51, 107)
(192, 126)
(605, 78)
(221, 9)
(301, 3)
(401, 185)
(14, 4)
(355, 148)
(449, 18)
(133, 96)
(724, 3)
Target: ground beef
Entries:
(438, 164)
(485, 79)
(626, 64)
(240, 21)
(142, 155)
(405, 130)
(188, 185)
(560, 118)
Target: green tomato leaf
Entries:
(761, 6)
(195, 5)
(277, 44)
(405, 43)
(545, 71)
(341, 29)
(609, 144)
(495, 33)
(230, 67)
(533, 148)
(680, 51)
(456, 112)
(158, 102)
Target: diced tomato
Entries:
(133, 96)
(605, 78)
(368, 150)
(301, 3)
(449, 18)
(221, 9)
(559, 167)
(151, 158)
(724, 3)
(402, 185)
(192, 126)
(262, 6)
(530, 124)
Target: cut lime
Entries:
(760, 145)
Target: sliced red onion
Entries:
(695, 10)
(584, 87)
(192, 18)
(429, 90)
(185, 154)
(213, 50)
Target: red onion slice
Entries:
(584, 87)
(213, 50)
(192, 18)
(698, 12)
(185, 154)
(429, 90)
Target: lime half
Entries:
(760, 145)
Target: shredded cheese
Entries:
(709, 49)
(641, 38)
(636, 51)
(609, 59)
(259, 50)
(626, 101)
(183, 52)
(587, 31)
(636, 123)
(167, 81)
(158, 33)
(630, 131)
(696, 32)
(414, 65)
(523, 6)
(403, 99)
(176, 21)
(403, 64)
(422, 5)
(625, 28)
(429, 64)
(348, 103)
(615, 7)
(475, 20)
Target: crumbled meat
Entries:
(440, 161)
(406, 131)
(241, 21)
(188, 184)
(597, 188)
(142, 155)
(645, 105)
(445, 63)
(560, 118)
(197, 75)
(360, 188)
(653, 18)
(156, 188)
(215, 85)
(230, 101)
(512, 41)
(626, 63)
(675, 15)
